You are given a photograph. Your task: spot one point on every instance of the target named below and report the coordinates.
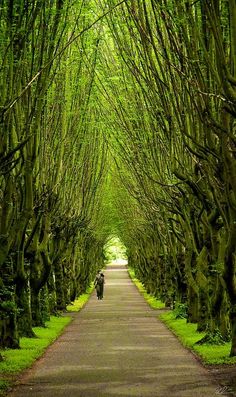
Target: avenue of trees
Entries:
(118, 118)
(52, 162)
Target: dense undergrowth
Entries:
(187, 333)
(17, 360)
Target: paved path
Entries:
(117, 347)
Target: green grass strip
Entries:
(151, 300)
(80, 302)
(187, 332)
(16, 360)
(188, 335)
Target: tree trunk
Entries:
(37, 317)
(203, 315)
(193, 306)
(233, 330)
(8, 332)
(52, 297)
(9, 336)
(59, 281)
(23, 303)
(44, 304)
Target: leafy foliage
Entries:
(180, 311)
(212, 338)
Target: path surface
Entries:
(117, 347)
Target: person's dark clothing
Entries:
(101, 281)
(99, 285)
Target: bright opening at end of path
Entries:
(115, 252)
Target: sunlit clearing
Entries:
(115, 251)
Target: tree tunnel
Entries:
(117, 119)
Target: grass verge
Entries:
(80, 302)
(187, 332)
(16, 360)
(151, 300)
(188, 335)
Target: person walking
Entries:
(99, 284)
(102, 282)
(96, 284)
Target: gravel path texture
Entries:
(117, 347)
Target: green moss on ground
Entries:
(151, 300)
(188, 335)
